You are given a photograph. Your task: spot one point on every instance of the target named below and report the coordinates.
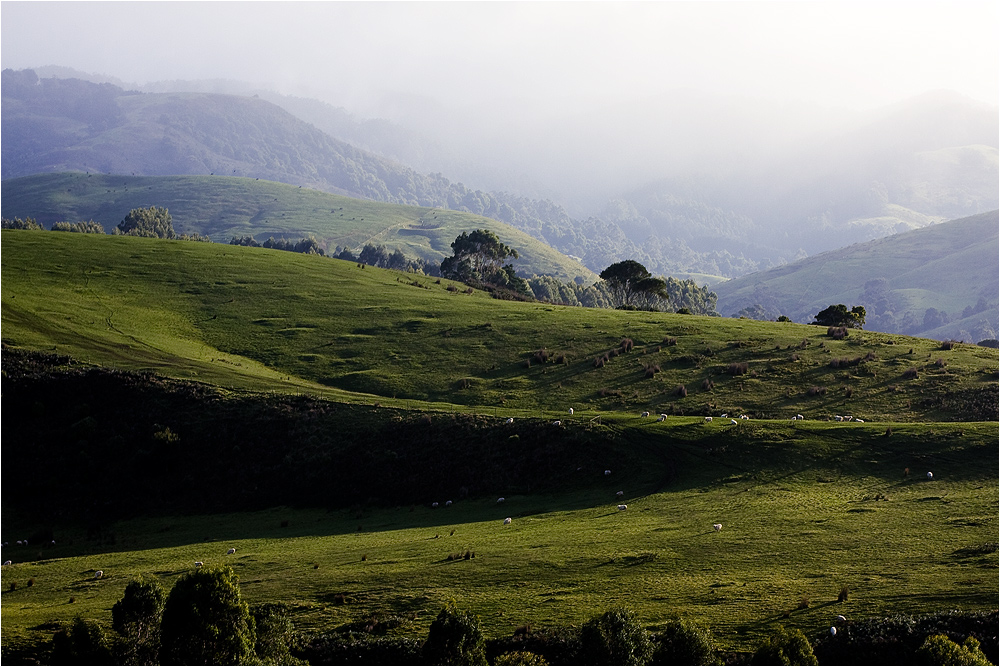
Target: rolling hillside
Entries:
(950, 267)
(222, 207)
(261, 319)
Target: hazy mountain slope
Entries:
(950, 269)
(223, 207)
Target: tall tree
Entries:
(839, 316)
(478, 255)
(136, 617)
(629, 282)
(153, 221)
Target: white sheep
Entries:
(930, 475)
(724, 415)
(622, 508)
(231, 552)
(434, 505)
(661, 418)
(198, 563)
(557, 423)
(744, 417)
(840, 618)
(19, 543)
(733, 421)
(833, 631)
(500, 500)
(6, 562)
(620, 494)
(799, 417)
(838, 418)
(860, 421)
(506, 521)
(848, 418)
(717, 526)
(644, 414)
(98, 574)
(510, 420)
(607, 472)
(571, 410)
(447, 503)
(708, 419)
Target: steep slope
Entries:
(222, 207)
(916, 282)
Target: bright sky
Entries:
(549, 55)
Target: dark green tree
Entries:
(629, 282)
(684, 643)
(785, 647)
(839, 316)
(939, 650)
(84, 643)
(205, 621)
(455, 639)
(479, 255)
(136, 617)
(274, 632)
(152, 222)
(615, 638)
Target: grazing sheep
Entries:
(838, 418)
(733, 421)
(622, 508)
(98, 574)
(19, 543)
(833, 630)
(510, 420)
(724, 415)
(571, 410)
(708, 419)
(198, 563)
(506, 521)
(661, 418)
(717, 526)
(620, 494)
(799, 417)
(500, 500)
(840, 618)
(447, 503)
(744, 417)
(434, 505)
(930, 475)
(607, 472)
(557, 423)
(860, 421)
(6, 562)
(848, 418)
(644, 414)
(231, 552)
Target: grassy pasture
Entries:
(806, 509)
(253, 318)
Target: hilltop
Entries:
(222, 207)
(939, 282)
(261, 319)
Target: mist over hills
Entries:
(703, 193)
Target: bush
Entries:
(89, 227)
(150, 222)
(785, 647)
(615, 638)
(455, 639)
(557, 646)
(817, 391)
(681, 391)
(84, 643)
(274, 634)
(707, 385)
(205, 621)
(520, 658)
(683, 643)
(939, 650)
(737, 368)
(626, 344)
(910, 374)
(136, 617)
(355, 648)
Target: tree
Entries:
(939, 650)
(839, 316)
(274, 632)
(629, 281)
(152, 222)
(84, 643)
(18, 223)
(455, 639)
(683, 643)
(136, 617)
(205, 621)
(785, 647)
(615, 638)
(479, 255)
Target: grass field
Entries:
(808, 507)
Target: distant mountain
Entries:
(223, 207)
(940, 282)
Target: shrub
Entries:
(519, 658)
(652, 370)
(541, 356)
(18, 223)
(455, 639)
(683, 643)
(626, 344)
(150, 222)
(670, 341)
(837, 333)
(910, 374)
(737, 368)
(939, 650)
(615, 638)
(948, 344)
(136, 617)
(681, 391)
(359, 648)
(84, 643)
(817, 391)
(205, 620)
(844, 590)
(785, 647)
(940, 363)
(707, 385)
(848, 392)
(274, 634)
(600, 361)
(89, 227)
(557, 646)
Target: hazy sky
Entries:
(542, 56)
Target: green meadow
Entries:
(808, 507)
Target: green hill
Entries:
(951, 268)
(223, 207)
(263, 319)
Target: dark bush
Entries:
(652, 370)
(541, 356)
(785, 647)
(558, 646)
(837, 333)
(626, 345)
(670, 341)
(910, 374)
(359, 648)
(817, 391)
(615, 638)
(455, 639)
(681, 391)
(707, 385)
(84, 643)
(683, 643)
(737, 368)
(948, 344)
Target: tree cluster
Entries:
(839, 316)
(153, 222)
(478, 260)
